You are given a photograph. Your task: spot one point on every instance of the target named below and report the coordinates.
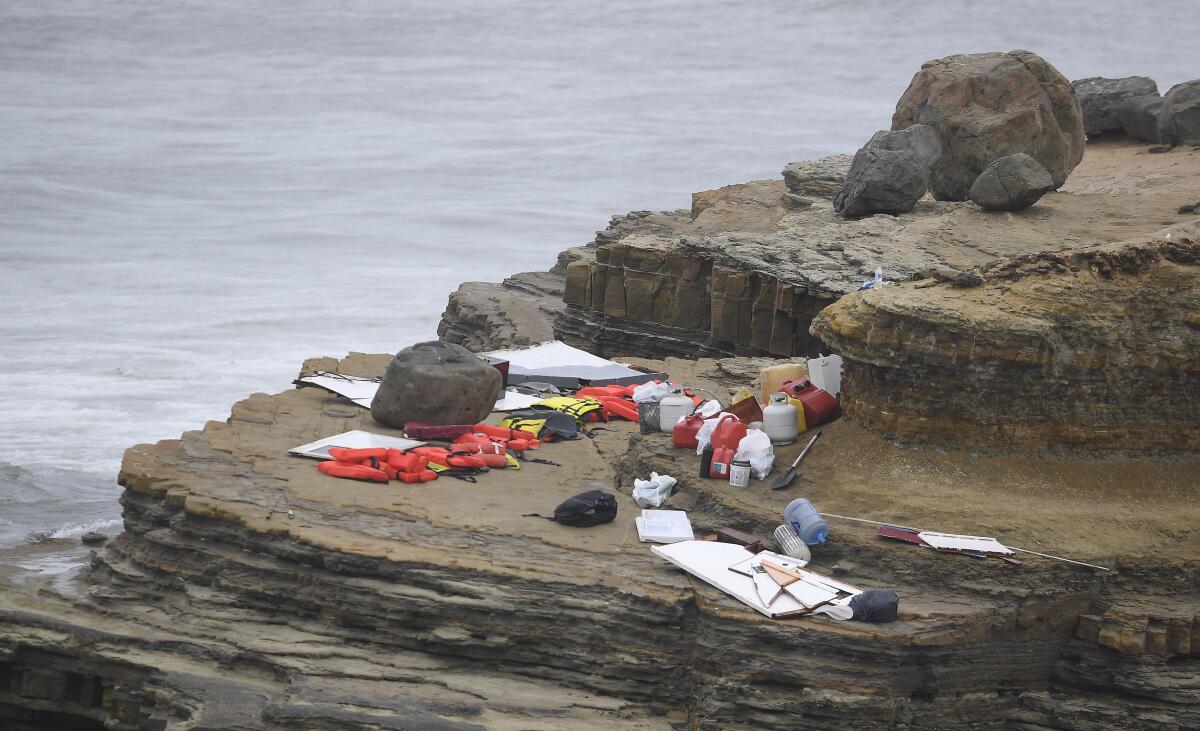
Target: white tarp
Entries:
(558, 360)
(663, 526)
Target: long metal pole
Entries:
(1022, 550)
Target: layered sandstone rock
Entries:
(713, 285)
(1096, 348)
(442, 606)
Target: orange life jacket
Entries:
(352, 471)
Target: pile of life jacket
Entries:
(617, 400)
(475, 449)
(378, 464)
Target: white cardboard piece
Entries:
(710, 562)
(359, 390)
(511, 400)
(663, 526)
(955, 542)
(357, 439)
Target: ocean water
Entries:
(195, 196)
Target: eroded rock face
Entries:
(1102, 100)
(1179, 116)
(436, 383)
(890, 173)
(1011, 183)
(1095, 348)
(988, 105)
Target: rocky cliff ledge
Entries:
(1095, 348)
(440, 606)
(749, 266)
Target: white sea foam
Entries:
(99, 525)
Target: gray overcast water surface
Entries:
(195, 196)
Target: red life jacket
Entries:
(352, 471)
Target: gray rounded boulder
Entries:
(988, 105)
(1011, 183)
(436, 383)
(1102, 100)
(1179, 116)
(1139, 117)
(890, 173)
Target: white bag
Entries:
(704, 436)
(651, 392)
(654, 492)
(756, 447)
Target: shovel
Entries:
(786, 478)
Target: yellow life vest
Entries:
(580, 408)
(533, 426)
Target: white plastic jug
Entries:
(779, 420)
(673, 408)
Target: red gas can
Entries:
(819, 405)
(728, 433)
(722, 458)
(683, 436)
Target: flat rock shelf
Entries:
(440, 606)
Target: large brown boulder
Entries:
(436, 383)
(988, 105)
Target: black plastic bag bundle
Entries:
(586, 509)
(876, 605)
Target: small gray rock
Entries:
(890, 173)
(436, 383)
(1011, 183)
(1179, 118)
(93, 538)
(1101, 100)
(966, 280)
(1139, 117)
(821, 177)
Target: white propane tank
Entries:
(779, 420)
(672, 408)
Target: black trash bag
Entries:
(586, 509)
(876, 605)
